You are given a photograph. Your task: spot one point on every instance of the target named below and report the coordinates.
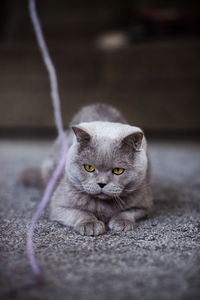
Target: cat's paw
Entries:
(91, 228)
(121, 225)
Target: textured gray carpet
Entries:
(158, 260)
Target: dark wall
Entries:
(154, 78)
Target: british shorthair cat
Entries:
(105, 182)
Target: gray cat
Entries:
(106, 175)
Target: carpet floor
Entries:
(160, 259)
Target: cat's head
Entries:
(107, 159)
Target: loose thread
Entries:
(59, 125)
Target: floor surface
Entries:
(158, 260)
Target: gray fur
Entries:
(98, 112)
(101, 138)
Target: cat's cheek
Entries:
(91, 188)
(121, 180)
(113, 189)
(134, 177)
(79, 172)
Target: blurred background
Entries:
(141, 56)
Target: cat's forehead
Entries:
(108, 130)
(104, 154)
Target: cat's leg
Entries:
(126, 220)
(82, 221)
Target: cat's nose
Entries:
(101, 184)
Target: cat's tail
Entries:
(32, 177)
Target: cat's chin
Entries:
(102, 196)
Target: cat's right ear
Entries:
(83, 138)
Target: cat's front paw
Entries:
(121, 225)
(91, 228)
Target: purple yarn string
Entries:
(58, 120)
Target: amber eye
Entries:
(89, 168)
(118, 171)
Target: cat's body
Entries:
(106, 176)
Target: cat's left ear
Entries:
(133, 140)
